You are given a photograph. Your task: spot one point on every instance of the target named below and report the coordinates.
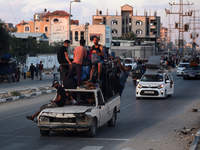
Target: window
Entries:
(47, 20)
(82, 34)
(76, 35)
(46, 29)
(114, 31)
(114, 22)
(126, 20)
(130, 29)
(27, 29)
(139, 31)
(139, 22)
(55, 20)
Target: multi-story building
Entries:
(146, 27)
(164, 40)
(54, 24)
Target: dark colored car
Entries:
(192, 72)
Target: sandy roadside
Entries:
(167, 135)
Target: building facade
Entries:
(146, 27)
(54, 24)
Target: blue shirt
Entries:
(123, 76)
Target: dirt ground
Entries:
(176, 133)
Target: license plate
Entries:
(192, 75)
(149, 92)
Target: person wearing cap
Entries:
(58, 102)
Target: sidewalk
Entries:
(26, 87)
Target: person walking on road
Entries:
(55, 72)
(40, 69)
(80, 52)
(125, 72)
(32, 70)
(58, 102)
(24, 70)
(36, 70)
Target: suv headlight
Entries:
(161, 86)
(43, 119)
(139, 86)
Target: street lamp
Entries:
(70, 21)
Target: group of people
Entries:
(33, 70)
(96, 56)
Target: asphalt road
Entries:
(18, 133)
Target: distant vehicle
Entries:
(181, 68)
(130, 61)
(192, 72)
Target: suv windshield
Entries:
(193, 68)
(183, 65)
(152, 78)
(127, 61)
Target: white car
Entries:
(158, 85)
(181, 68)
(129, 61)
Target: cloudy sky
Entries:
(14, 11)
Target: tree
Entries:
(129, 36)
(4, 39)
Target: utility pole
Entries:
(180, 25)
(194, 34)
(86, 33)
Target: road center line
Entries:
(130, 105)
(18, 114)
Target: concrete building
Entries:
(146, 27)
(54, 24)
(87, 32)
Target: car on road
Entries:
(90, 112)
(192, 72)
(129, 61)
(159, 85)
(181, 68)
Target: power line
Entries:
(12, 12)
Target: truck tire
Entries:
(93, 128)
(44, 132)
(112, 121)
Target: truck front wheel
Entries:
(112, 121)
(93, 128)
(44, 132)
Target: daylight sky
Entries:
(14, 11)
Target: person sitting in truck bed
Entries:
(69, 99)
(58, 102)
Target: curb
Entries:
(195, 141)
(26, 96)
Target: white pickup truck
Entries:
(81, 117)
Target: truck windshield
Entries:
(82, 98)
(152, 78)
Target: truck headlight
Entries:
(139, 86)
(43, 119)
(161, 86)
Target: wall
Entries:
(48, 60)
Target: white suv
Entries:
(181, 68)
(130, 61)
